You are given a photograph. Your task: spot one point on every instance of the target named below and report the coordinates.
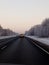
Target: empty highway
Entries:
(23, 51)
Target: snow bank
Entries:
(5, 37)
(43, 40)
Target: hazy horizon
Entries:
(20, 15)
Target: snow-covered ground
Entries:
(5, 37)
(43, 40)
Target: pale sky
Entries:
(20, 15)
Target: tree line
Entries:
(41, 30)
(6, 32)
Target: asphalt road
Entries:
(22, 51)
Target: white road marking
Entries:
(42, 48)
(3, 47)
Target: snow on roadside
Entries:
(43, 40)
(5, 37)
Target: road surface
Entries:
(22, 51)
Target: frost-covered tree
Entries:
(45, 25)
(30, 32)
(45, 22)
(40, 30)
